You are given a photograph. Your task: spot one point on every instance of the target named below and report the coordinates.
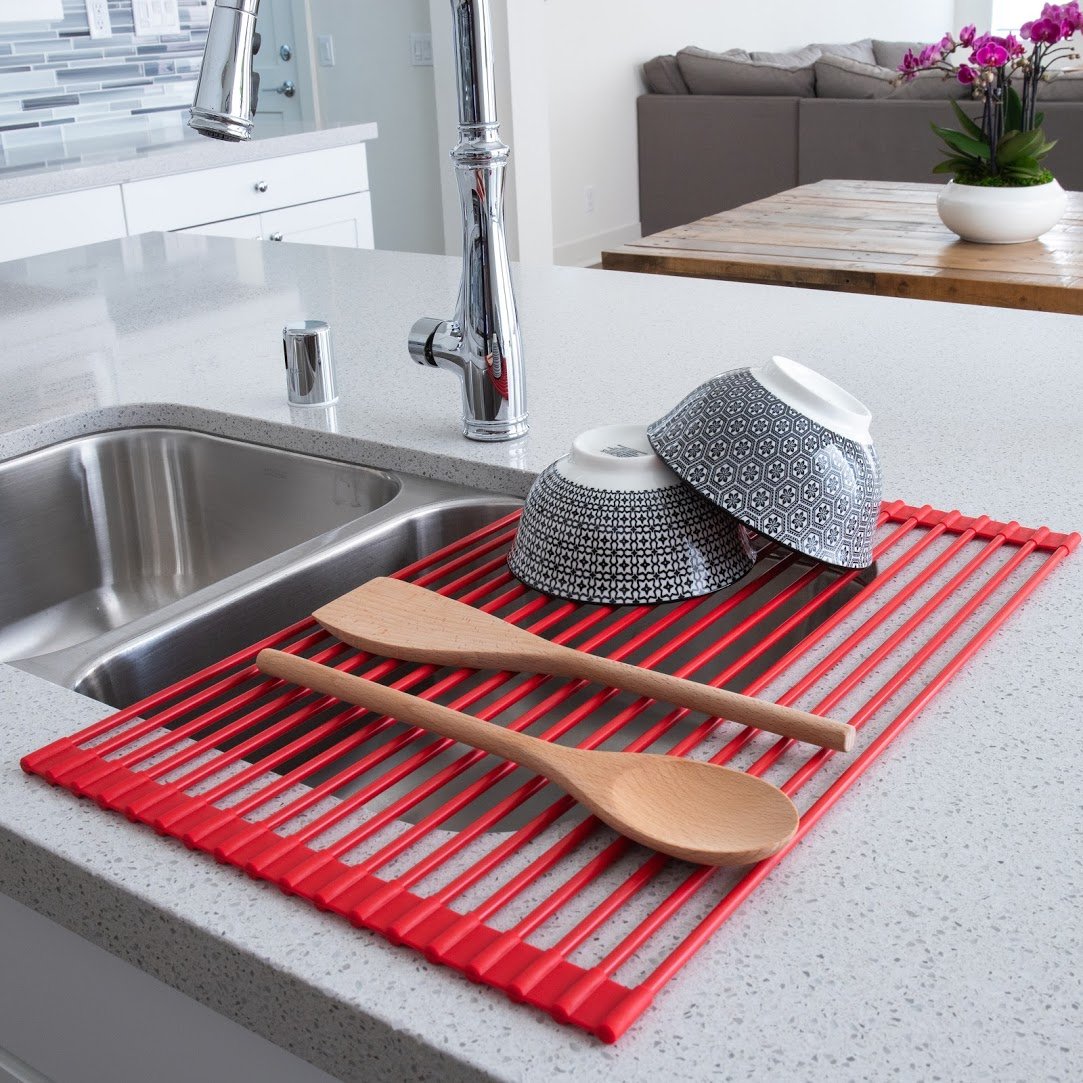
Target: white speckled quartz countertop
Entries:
(140, 160)
(928, 928)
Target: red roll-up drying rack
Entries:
(490, 870)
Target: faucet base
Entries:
(492, 431)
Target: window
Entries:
(1011, 14)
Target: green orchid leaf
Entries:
(1015, 144)
(1023, 167)
(966, 145)
(970, 127)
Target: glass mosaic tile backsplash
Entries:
(66, 96)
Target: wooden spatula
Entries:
(691, 810)
(401, 620)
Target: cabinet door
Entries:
(345, 222)
(247, 228)
(29, 227)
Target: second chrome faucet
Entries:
(481, 343)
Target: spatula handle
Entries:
(785, 721)
(520, 748)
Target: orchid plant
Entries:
(1007, 147)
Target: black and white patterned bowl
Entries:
(611, 524)
(784, 450)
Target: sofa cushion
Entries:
(736, 73)
(663, 76)
(802, 58)
(838, 77)
(889, 54)
(855, 50)
(1063, 86)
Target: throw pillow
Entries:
(663, 76)
(736, 73)
(889, 54)
(855, 50)
(838, 77)
(1062, 86)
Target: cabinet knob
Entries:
(261, 186)
(276, 236)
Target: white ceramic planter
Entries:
(1001, 215)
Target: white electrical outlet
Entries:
(97, 14)
(326, 45)
(588, 199)
(421, 50)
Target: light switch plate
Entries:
(153, 17)
(326, 48)
(421, 50)
(97, 14)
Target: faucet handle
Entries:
(420, 341)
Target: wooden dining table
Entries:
(879, 237)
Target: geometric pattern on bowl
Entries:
(779, 472)
(608, 547)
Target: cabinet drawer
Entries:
(233, 191)
(49, 223)
(345, 222)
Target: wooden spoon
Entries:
(696, 811)
(401, 620)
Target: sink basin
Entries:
(134, 557)
(107, 528)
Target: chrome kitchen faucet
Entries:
(481, 342)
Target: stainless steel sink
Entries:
(132, 558)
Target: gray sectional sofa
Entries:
(721, 129)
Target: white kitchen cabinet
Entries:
(345, 222)
(29, 227)
(182, 200)
(315, 197)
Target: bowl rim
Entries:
(816, 397)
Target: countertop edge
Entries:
(183, 955)
(184, 158)
(506, 481)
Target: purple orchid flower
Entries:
(992, 53)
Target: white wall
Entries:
(373, 79)
(594, 50)
(568, 74)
